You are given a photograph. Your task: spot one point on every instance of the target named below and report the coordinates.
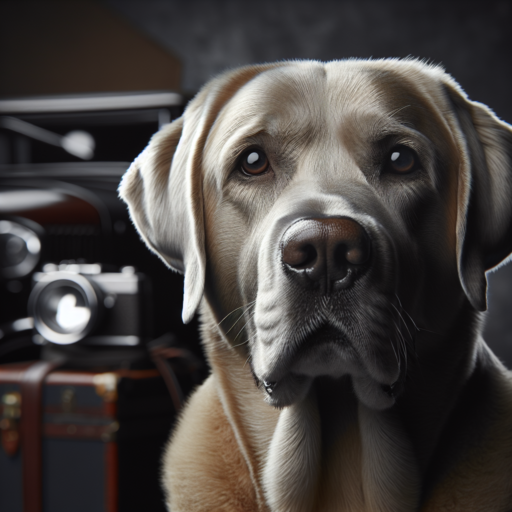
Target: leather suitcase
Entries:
(75, 441)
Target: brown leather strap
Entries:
(31, 433)
(159, 357)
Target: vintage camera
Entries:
(79, 303)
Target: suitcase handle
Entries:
(31, 432)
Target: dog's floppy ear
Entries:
(164, 186)
(158, 199)
(484, 219)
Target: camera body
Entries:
(55, 207)
(79, 303)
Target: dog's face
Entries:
(323, 209)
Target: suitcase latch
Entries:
(9, 423)
(106, 386)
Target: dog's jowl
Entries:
(334, 223)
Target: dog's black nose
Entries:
(326, 254)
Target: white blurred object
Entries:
(77, 142)
(69, 315)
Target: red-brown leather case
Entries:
(94, 444)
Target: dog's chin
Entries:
(293, 389)
(330, 355)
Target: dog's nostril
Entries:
(355, 256)
(358, 255)
(299, 255)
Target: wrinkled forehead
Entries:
(291, 98)
(312, 100)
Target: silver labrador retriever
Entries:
(334, 223)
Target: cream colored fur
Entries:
(358, 450)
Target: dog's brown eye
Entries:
(402, 160)
(254, 162)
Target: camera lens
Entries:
(14, 250)
(19, 250)
(65, 307)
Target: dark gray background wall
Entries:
(472, 40)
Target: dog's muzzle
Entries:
(325, 254)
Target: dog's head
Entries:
(328, 212)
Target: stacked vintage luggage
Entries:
(71, 439)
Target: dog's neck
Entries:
(332, 451)
(341, 456)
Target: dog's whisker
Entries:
(236, 309)
(418, 329)
(402, 318)
(396, 356)
(412, 335)
(246, 341)
(410, 318)
(396, 350)
(240, 344)
(246, 361)
(408, 315)
(238, 319)
(244, 326)
(402, 344)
